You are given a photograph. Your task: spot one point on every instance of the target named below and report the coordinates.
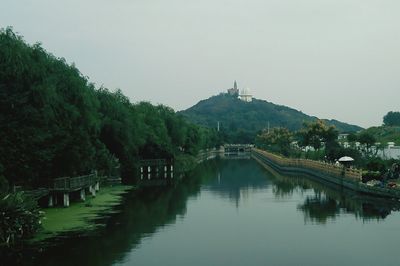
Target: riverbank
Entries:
(347, 178)
(84, 216)
(81, 216)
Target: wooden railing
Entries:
(153, 162)
(237, 148)
(73, 183)
(239, 145)
(61, 183)
(313, 165)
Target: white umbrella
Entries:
(346, 159)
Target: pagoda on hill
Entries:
(244, 94)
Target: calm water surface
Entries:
(235, 212)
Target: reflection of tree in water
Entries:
(143, 213)
(283, 189)
(235, 178)
(328, 200)
(319, 208)
(148, 210)
(370, 210)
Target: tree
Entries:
(48, 114)
(317, 134)
(367, 139)
(352, 138)
(278, 139)
(54, 122)
(392, 119)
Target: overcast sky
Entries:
(329, 58)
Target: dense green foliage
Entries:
(366, 139)
(54, 123)
(318, 141)
(241, 121)
(316, 134)
(278, 140)
(315, 140)
(392, 119)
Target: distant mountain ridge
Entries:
(240, 117)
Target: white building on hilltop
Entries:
(245, 95)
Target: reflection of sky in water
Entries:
(238, 180)
(245, 215)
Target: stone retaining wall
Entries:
(351, 178)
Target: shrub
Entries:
(19, 217)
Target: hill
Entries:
(242, 120)
(385, 134)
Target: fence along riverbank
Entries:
(344, 177)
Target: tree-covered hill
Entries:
(241, 120)
(385, 134)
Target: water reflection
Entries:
(155, 208)
(142, 214)
(322, 201)
(235, 179)
(326, 201)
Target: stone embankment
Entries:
(325, 172)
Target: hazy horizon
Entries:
(330, 59)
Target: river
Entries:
(236, 212)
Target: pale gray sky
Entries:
(329, 58)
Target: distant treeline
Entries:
(54, 122)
